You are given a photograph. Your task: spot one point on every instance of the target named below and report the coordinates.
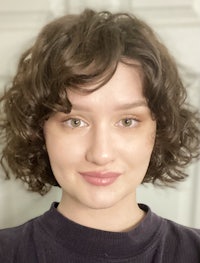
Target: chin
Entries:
(102, 203)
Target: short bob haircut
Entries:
(73, 52)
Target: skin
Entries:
(110, 129)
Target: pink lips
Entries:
(100, 178)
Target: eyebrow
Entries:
(130, 105)
(122, 106)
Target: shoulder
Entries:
(183, 242)
(172, 242)
(183, 233)
(12, 234)
(14, 239)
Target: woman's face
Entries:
(100, 151)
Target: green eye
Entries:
(75, 123)
(128, 122)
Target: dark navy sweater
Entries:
(52, 238)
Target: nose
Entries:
(101, 147)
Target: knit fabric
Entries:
(52, 238)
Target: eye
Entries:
(75, 123)
(128, 122)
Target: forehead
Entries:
(125, 86)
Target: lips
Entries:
(100, 178)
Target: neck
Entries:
(122, 217)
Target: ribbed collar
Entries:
(103, 244)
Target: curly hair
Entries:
(71, 52)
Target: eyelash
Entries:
(131, 123)
(69, 121)
(134, 122)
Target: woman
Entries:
(99, 108)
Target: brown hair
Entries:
(75, 50)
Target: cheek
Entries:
(149, 136)
(139, 147)
(63, 153)
(63, 158)
(149, 143)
